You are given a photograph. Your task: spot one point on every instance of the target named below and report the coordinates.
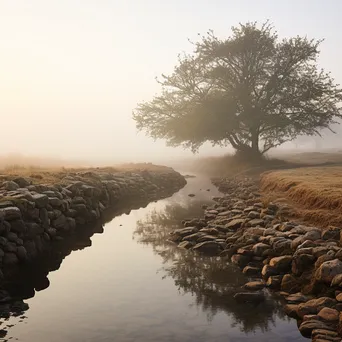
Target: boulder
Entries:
(337, 280)
(282, 263)
(235, 224)
(313, 306)
(307, 327)
(254, 285)
(274, 282)
(259, 248)
(328, 270)
(251, 271)
(301, 263)
(240, 260)
(268, 271)
(40, 200)
(22, 182)
(208, 247)
(329, 314)
(10, 186)
(290, 284)
(10, 213)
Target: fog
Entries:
(71, 71)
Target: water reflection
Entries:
(211, 280)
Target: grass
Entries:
(315, 193)
(53, 175)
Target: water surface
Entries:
(132, 285)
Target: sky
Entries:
(72, 71)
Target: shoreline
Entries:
(300, 262)
(34, 216)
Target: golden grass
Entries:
(52, 175)
(315, 193)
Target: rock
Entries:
(323, 335)
(208, 247)
(328, 270)
(291, 310)
(290, 284)
(314, 234)
(274, 282)
(328, 314)
(297, 298)
(337, 280)
(18, 226)
(268, 271)
(10, 213)
(249, 297)
(301, 263)
(22, 182)
(235, 224)
(10, 259)
(253, 215)
(240, 260)
(307, 327)
(256, 222)
(40, 200)
(191, 195)
(55, 202)
(251, 271)
(10, 186)
(254, 285)
(282, 263)
(339, 297)
(313, 306)
(185, 244)
(22, 253)
(260, 248)
(60, 222)
(332, 233)
(184, 231)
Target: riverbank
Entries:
(302, 263)
(39, 209)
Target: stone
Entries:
(290, 284)
(328, 270)
(307, 327)
(313, 306)
(208, 247)
(314, 234)
(249, 297)
(282, 263)
(256, 222)
(254, 285)
(339, 297)
(22, 182)
(268, 271)
(18, 226)
(22, 253)
(301, 263)
(60, 222)
(185, 244)
(10, 186)
(329, 314)
(235, 224)
(10, 213)
(274, 282)
(253, 215)
(55, 202)
(240, 260)
(251, 271)
(10, 259)
(259, 248)
(297, 298)
(40, 200)
(337, 280)
(332, 233)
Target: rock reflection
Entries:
(213, 281)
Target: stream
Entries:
(133, 285)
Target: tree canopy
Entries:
(251, 90)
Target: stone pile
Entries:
(34, 215)
(302, 263)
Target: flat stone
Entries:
(307, 327)
(208, 247)
(185, 244)
(313, 306)
(328, 314)
(235, 224)
(10, 213)
(282, 263)
(254, 285)
(251, 271)
(40, 200)
(256, 222)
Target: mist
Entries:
(72, 72)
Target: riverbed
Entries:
(131, 284)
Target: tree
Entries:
(251, 90)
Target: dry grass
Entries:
(315, 193)
(52, 175)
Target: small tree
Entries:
(251, 90)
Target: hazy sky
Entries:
(72, 71)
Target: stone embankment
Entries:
(302, 263)
(33, 216)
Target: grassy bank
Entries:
(315, 193)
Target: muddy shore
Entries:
(301, 263)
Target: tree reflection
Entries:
(213, 281)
